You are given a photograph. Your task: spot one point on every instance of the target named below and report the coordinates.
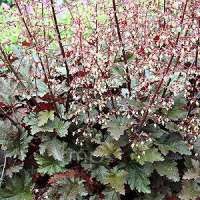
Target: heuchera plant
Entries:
(99, 99)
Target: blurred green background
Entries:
(6, 1)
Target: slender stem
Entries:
(9, 65)
(197, 49)
(156, 92)
(164, 9)
(177, 62)
(123, 47)
(59, 39)
(169, 81)
(45, 41)
(197, 53)
(97, 50)
(16, 124)
(21, 14)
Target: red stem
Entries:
(165, 73)
(123, 47)
(59, 39)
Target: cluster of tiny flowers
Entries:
(133, 67)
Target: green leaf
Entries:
(61, 127)
(19, 147)
(96, 197)
(172, 127)
(6, 131)
(117, 126)
(174, 146)
(7, 91)
(168, 169)
(30, 119)
(156, 132)
(14, 168)
(48, 165)
(57, 125)
(153, 196)
(44, 129)
(148, 169)
(69, 189)
(178, 111)
(111, 195)
(44, 116)
(42, 88)
(17, 188)
(14, 141)
(189, 191)
(116, 179)
(72, 190)
(137, 179)
(197, 146)
(151, 155)
(108, 149)
(54, 148)
(194, 172)
(99, 173)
